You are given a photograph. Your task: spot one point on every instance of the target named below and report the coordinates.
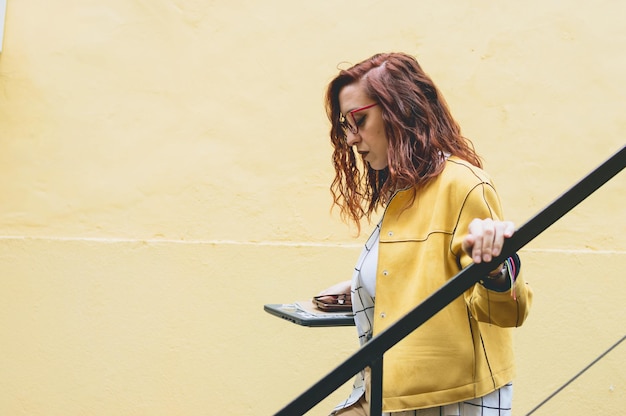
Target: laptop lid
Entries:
(305, 314)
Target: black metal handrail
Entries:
(371, 353)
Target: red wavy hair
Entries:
(419, 129)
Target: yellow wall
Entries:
(164, 172)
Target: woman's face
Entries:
(370, 140)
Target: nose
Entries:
(352, 138)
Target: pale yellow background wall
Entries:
(164, 172)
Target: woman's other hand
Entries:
(342, 288)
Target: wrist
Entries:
(497, 280)
(498, 273)
(503, 278)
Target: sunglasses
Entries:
(353, 127)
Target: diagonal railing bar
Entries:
(378, 345)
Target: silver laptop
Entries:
(305, 314)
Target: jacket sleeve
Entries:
(504, 309)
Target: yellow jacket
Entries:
(464, 351)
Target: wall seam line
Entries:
(266, 243)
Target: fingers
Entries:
(498, 240)
(509, 229)
(468, 244)
(486, 238)
(339, 288)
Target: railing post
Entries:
(376, 387)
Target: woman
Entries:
(397, 147)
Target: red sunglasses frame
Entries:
(345, 123)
